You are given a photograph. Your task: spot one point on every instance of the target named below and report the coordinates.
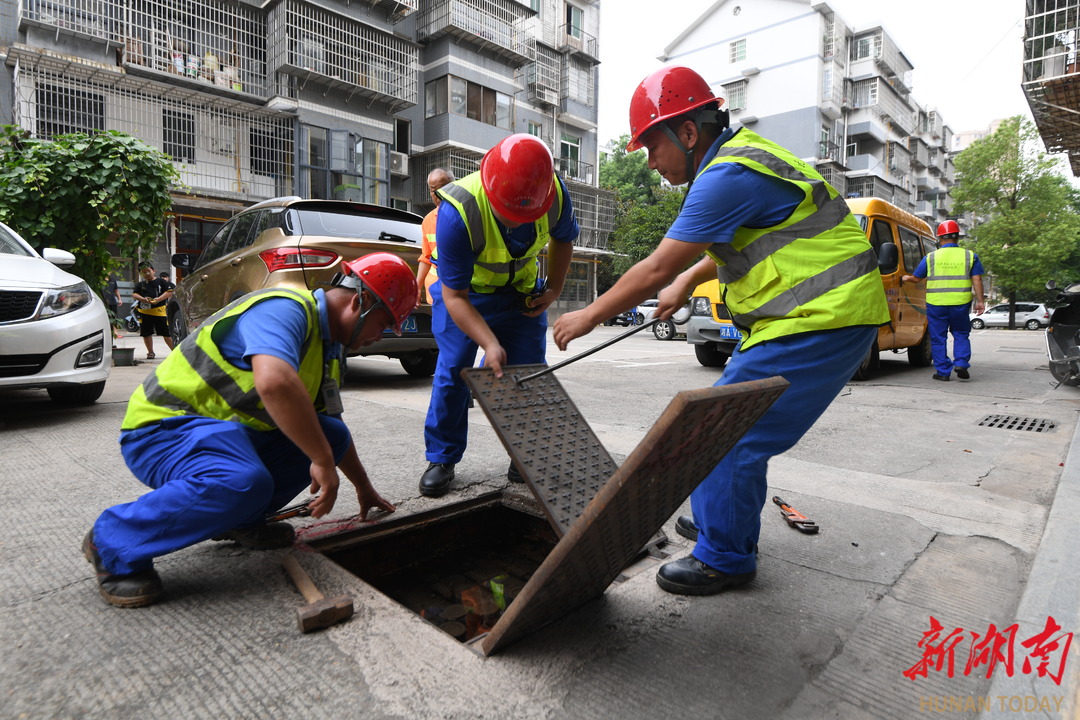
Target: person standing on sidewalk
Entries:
(799, 277)
(152, 293)
(241, 418)
(952, 274)
(426, 274)
(491, 227)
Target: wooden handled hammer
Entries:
(320, 612)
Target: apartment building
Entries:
(1052, 73)
(329, 99)
(794, 72)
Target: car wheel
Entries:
(177, 325)
(639, 318)
(920, 355)
(710, 355)
(1032, 325)
(870, 362)
(977, 324)
(420, 363)
(664, 330)
(77, 394)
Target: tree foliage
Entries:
(628, 174)
(77, 191)
(1027, 229)
(639, 230)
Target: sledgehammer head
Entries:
(324, 613)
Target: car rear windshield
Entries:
(346, 225)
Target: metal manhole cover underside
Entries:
(561, 460)
(1016, 422)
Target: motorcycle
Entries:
(132, 321)
(1063, 336)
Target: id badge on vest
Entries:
(331, 395)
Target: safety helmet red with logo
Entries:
(665, 94)
(949, 227)
(388, 278)
(518, 175)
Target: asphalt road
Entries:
(924, 512)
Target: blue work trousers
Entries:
(446, 428)
(942, 320)
(207, 477)
(727, 504)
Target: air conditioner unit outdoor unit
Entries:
(399, 163)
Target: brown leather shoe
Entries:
(126, 591)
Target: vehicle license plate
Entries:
(726, 331)
(409, 326)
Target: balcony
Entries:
(92, 19)
(576, 41)
(330, 50)
(572, 169)
(496, 25)
(829, 151)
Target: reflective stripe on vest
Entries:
(948, 276)
(813, 271)
(196, 379)
(494, 267)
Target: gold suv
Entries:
(298, 243)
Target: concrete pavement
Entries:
(924, 512)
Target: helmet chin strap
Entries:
(355, 283)
(700, 117)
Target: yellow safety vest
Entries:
(948, 276)
(813, 271)
(196, 379)
(495, 267)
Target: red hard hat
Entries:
(518, 175)
(391, 280)
(949, 227)
(666, 93)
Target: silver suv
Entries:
(1029, 315)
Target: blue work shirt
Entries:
(273, 327)
(728, 196)
(976, 266)
(455, 252)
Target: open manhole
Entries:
(491, 569)
(1017, 422)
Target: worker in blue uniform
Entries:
(240, 418)
(491, 227)
(799, 278)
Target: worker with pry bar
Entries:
(240, 418)
(799, 278)
(492, 225)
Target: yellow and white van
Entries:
(900, 241)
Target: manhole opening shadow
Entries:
(458, 567)
(1017, 422)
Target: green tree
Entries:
(628, 174)
(1029, 226)
(77, 191)
(639, 230)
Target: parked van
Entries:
(899, 239)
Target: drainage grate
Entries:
(1015, 422)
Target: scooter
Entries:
(132, 321)
(1063, 336)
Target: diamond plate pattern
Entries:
(556, 451)
(695, 431)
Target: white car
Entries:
(54, 329)
(1028, 315)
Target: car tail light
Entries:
(293, 258)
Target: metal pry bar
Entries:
(590, 351)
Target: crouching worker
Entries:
(240, 419)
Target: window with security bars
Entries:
(735, 95)
(178, 135)
(337, 165)
(737, 51)
(474, 101)
(865, 92)
(62, 110)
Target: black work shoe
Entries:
(686, 527)
(690, 576)
(939, 376)
(262, 537)
(962, 373)
(126, 591)
(435, 482)
(513, 475)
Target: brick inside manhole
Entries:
(459, 567)
(1018, 422)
